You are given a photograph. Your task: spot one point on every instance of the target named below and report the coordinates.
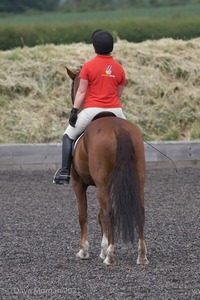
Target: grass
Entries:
(134, 24)
(73, 17)
(161, 96)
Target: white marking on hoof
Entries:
(142, 261)
(142, 253)
(82, 255)
(104, 246)
(110, 260)
(102, 255)
(84, 252)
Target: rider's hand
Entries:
(73, 117)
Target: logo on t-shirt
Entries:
(108, 72)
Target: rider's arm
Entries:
(120, 90)
(80, 95)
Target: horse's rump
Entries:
(97, 147)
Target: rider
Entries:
(102, 80)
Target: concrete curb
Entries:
(48, 156)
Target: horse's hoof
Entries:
(109, 261)
(82, 255)
(142, 261)
(102, 255)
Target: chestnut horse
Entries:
(110, 156)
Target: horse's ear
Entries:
(70, 73)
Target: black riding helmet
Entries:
(102, 41)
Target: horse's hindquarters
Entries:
(111, 157)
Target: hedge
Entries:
(129, 29)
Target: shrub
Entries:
(136, 30)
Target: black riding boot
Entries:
(62, 175)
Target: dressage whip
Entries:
(163, 155)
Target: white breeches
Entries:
(85, 117)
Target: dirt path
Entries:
(40, 238)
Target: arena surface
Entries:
(40, 237)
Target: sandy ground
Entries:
(40, 238)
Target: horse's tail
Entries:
(126, 208)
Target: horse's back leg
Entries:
(142, 249)
(104, 242)
(80, 191)
(107, 243)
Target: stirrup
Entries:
(60, 178)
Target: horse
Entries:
(110, 156)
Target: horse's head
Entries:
(75, 83)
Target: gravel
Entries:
(40, 237)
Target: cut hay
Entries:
(162, 95)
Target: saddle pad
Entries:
(76, 142)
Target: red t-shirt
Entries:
(104, 74)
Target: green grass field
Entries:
(151, 12)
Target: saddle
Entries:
(104, 114)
